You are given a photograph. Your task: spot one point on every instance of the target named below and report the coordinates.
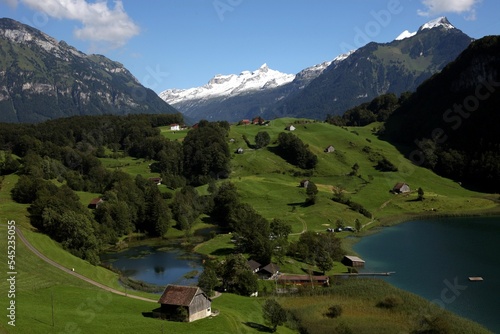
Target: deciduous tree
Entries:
(273, 314)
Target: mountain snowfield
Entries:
(225, 86)
(440, 21)
(270, 92)
(247, 81)
(232, 84)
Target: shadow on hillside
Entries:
(276, 150)
(223, 251)
(147, 314)
(259, 327)
(313, 272)
(299, 204)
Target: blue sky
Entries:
(183, 43)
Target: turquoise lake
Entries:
(435, 258)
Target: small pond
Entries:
(157, 265)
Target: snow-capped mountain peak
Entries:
(439, 22)
(405, 34)
(230, 85)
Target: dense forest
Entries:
(377, 110)
(55, 159)
(68, 151)
(450, 124)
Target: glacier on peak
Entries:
(439, 22)
(231, 84)
(405, 34)
(228, 85)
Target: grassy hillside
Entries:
(270, 184)
(82, 308)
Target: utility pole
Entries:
(52, 302)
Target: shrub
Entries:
(390, 302)
(334, 311)
(385, 165)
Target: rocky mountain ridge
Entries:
(42, 79)
(335, 86)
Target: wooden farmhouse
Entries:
(269, 271)
(175, 127)
(95, 202)
(189, 302)
(401, 188)
(258, 120)
(329, 149)
(352, 261)
(254, 265)
(156, 180)
(290, 128)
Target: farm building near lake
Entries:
(184, 303)
(304, 280)
(352, 261)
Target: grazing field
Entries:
(364, 310)
(271, 186)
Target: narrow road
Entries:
(304, 228)
(35, 251)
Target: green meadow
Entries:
(51, 301)
(272, 186)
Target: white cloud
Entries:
(11, 3)
(103, 26)
(434, 7)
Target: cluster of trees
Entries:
(206, 152)
(340, 197)
(8, 164)
(377, 110)
(262, 139)
(317, 249)
(253, 234)
(68, 150)
(231, 274)
(130, 204)
(382, 163)
(292, 149)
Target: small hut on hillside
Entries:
(401, 188)
(184, 303)
(95, 202)
(329, 149)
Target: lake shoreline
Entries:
(403, 218)
(401, 250)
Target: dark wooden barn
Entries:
(185, 303)
(352, 261)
